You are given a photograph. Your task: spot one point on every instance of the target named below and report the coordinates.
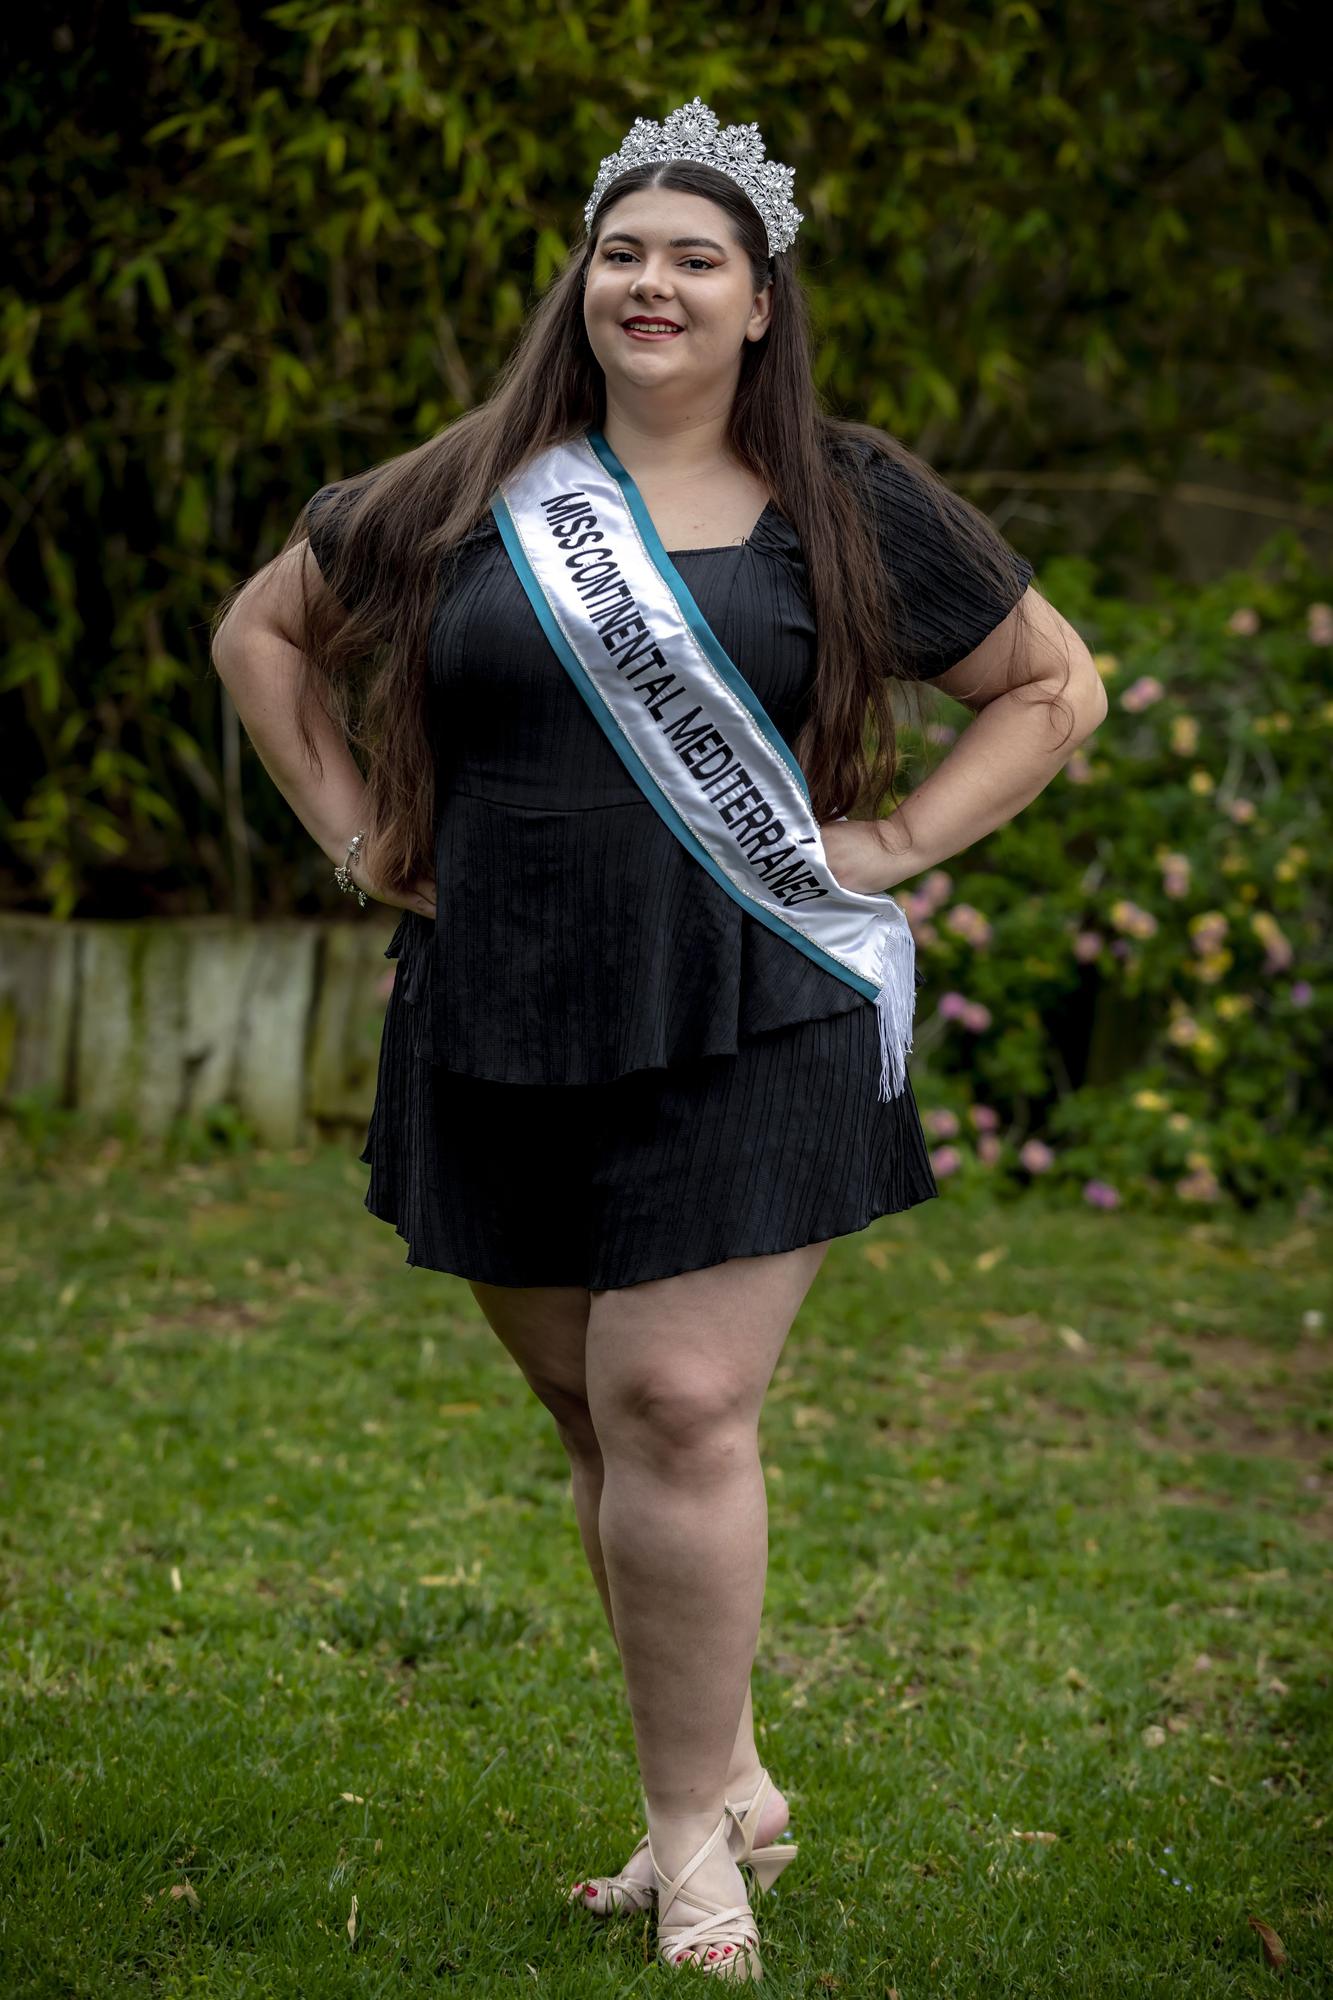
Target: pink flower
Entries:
(1036, 1156)
(1176, 874)
(1207, 931)
(1087, 944)
(1243, 622)
(1319, 624)
(940, 1123)
(1301, 994)
(983, 1118)
(968, 923)
(1100, 1194)
(1241, 810)
(953, 1006)
(1077, 768)
(945, 1160)
(988, 1148)
(1142, 693)
(975, 1017)
(937, 888)
(1200, 1186)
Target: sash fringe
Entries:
(895, 1006)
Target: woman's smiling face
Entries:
(670, 258)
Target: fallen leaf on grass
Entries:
(808, 1416)
(1154, 1736)
(1072, 1339)
(1019, 1834)
(351, 1922)
(457, 1409)
(1274, 1950)
(352, 1798)
(186, 1889)
(989, 1258)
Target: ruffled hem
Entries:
(645, 1179)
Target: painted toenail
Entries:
(712, 1954)
(589, 1889)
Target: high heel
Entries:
(614, 1895)
(726, 1939)
(766, 1863)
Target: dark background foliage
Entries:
(1072, 253)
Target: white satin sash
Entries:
(689, 728)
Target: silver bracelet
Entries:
(343, 875)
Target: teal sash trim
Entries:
(693, 616)
(724, 666)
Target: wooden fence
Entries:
(162, 1019)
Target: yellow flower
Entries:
(1211, 968)
(1206, 1042)
(1106, 664)
(1247, 891)
(1230, 1006)
(1184, 735)
(1150, 1100)
(1200, 1162)
(1201, 781)
(1180, 1121)
(1232, 862)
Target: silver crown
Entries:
(693, 133)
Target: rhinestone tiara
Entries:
(692, 133)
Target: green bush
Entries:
(1129, 983)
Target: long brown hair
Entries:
(399, 521)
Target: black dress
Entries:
(595, 1067)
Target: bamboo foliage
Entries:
(254, 250)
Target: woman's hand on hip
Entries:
(419, 896)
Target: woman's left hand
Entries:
(858, 858)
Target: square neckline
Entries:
(726, 548)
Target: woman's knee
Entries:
(701, 1420)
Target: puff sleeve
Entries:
(323, 522)
(944, 602)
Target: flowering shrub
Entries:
(1128, 986)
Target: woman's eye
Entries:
(689, 260)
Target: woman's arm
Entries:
(999, 764)
(257, 651)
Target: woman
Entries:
(629, 1098)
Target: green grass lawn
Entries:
(297, 1624)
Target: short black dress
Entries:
(595, 1068)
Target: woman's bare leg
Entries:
(677, 1369)
(544, 1328)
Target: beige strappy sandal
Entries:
(725, 1941)
(766, 1863)
(618, 1895)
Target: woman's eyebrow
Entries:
(673, 242)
